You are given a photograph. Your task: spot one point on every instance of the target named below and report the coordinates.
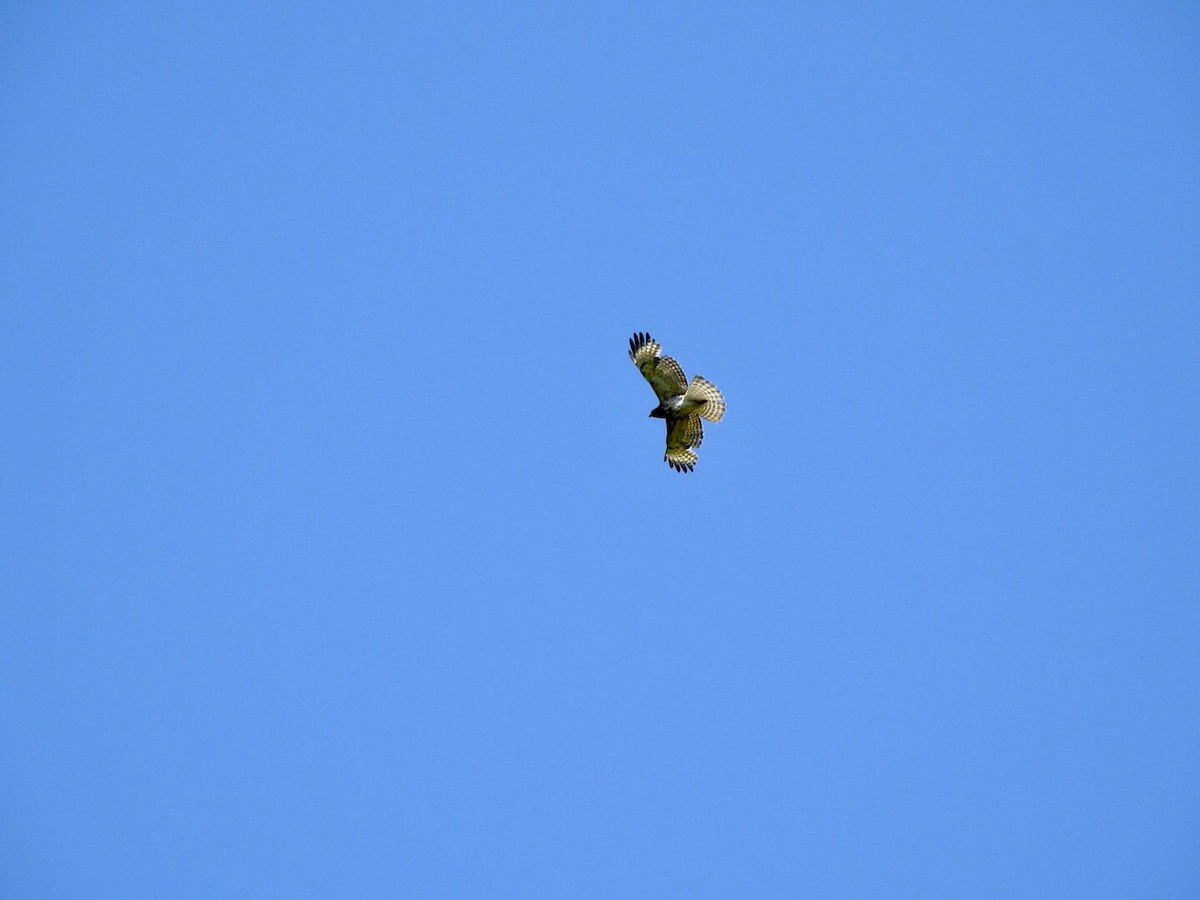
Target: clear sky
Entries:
(339, 555)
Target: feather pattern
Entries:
(664, 374)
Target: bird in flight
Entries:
(680, 403)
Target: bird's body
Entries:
(681, 404)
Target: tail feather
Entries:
(703, 389)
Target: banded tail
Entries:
(703, 389)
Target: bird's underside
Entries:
(681, 404)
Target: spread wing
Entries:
(664, 374)
(683, 434)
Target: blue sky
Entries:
(339, 556)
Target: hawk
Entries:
(680, 403)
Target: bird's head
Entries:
(657, 412)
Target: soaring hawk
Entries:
(680, 403)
